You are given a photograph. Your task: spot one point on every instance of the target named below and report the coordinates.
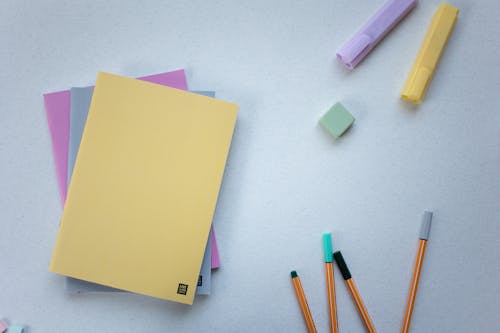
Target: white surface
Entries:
(286, 182)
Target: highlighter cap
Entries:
(327, 247)
(425, 229)
(354, 50)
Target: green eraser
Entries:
(293, 274)
(337, 120)
(327, 247)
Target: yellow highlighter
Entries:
(428, 57)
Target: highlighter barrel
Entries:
(354, 50)
(430, 52)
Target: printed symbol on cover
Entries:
(182, 289)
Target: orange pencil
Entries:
(424, 236)
(303, 303)
(339, 259)
(330, 282)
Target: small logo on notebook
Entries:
(200, 281)
(182, 289)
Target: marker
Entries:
(330, 282)
(367, 37)
(354, 292)
(424, 236)
(303, 303)
(428, 57)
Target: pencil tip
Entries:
(294, 274)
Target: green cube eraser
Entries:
(337, 120)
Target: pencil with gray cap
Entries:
(424, 236)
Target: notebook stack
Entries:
(139, 164)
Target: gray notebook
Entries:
(80, 105)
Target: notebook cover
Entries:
(57, 108)
(80, 104)
(203, 286)
(144, 188)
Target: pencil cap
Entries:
(327, 247)
(425, 229)
(339, 259)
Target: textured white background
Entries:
(286, 181)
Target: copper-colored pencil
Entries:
(424, 236)
(303, 303)
(330, 283)
(365, 317)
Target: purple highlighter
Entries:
(365, 39)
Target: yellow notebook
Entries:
(144, 188)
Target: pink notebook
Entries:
(58, 106)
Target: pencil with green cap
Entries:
(330, 282)
(303, 303)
